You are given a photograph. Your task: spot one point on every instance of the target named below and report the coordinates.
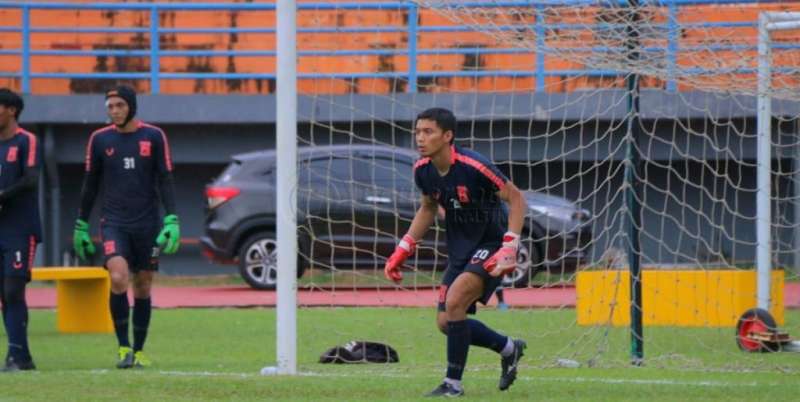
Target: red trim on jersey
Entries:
(442, 297)
(31, 251)
(453, 155)
(483, 169)
(31, 145)
(88, 163)
(421, 162)
(167, 157)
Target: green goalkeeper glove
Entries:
(170, 235)
(81, 241)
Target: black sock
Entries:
(141, 322)
(17, 331)
(120, 314)
(4, 307)
(485, 337)
(500, 296)
(457, 348)
(16, 318)
(26, 349)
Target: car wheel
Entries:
(527, 260)
(258, 261)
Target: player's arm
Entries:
(30, 173)
(505, 259)
(169, 237)
(423, 219)
(517, 207)
(81, 241)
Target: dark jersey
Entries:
(19, 213)
(129, 167)
(475, 216)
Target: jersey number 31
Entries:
(130, 163)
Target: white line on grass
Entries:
(643, 382)
(393, 374)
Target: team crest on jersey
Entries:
(109, 151)
(144, 148)
(463, 194)
(12, 154)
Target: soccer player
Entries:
(501, 300)
(131, 161)
(482, 241)
(20, 228)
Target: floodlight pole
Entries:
(286, 147)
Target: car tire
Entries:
(258, 261)
(528, 263)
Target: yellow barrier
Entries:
(714, 298)
(81, 296)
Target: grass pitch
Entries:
(216, 354)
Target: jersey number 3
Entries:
(130, 163)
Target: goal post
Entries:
(286, 216)
(549, 93)
(768, 22)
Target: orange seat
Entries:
(563, 40)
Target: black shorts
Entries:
(17, 254)
(136, 245)
(475, 265)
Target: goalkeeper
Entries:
(131, 161)
(482, 240)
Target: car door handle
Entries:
(378, 199)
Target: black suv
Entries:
(354, 202)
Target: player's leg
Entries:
(460, 296)
(115, 248)
(2, 277)
(144, 270)
(501, 300)
(510, 350)
(142, 308)
(17, 261)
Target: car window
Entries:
(387, 175)
(340, 170)
(230, 171)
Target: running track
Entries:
(242, 296)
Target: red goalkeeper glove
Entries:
(504, 260)
(404, 249)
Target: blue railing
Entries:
(155, 53)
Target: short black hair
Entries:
(444, 118)
(9, 98)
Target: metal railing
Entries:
(155, 53)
